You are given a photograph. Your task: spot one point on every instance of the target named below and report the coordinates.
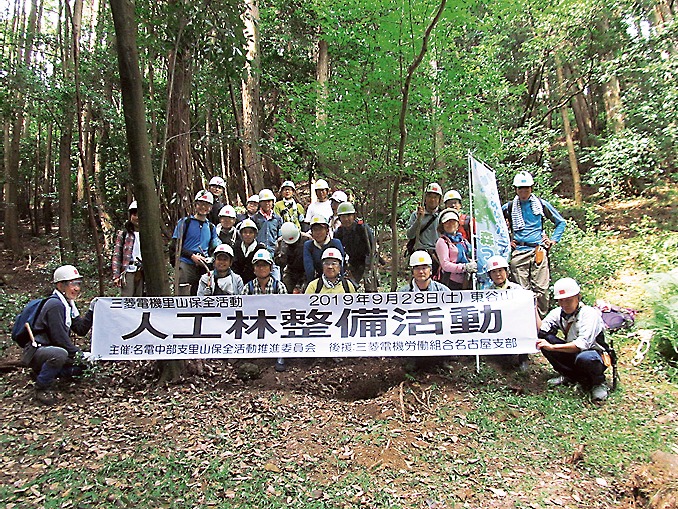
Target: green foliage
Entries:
(624, 165)
(662, 292)
(591, 259)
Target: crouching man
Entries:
(55, 354)
(578, 357)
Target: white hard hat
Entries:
(227, 211)
(434, 187)
(266, 194)
(318, 219)
(204, 195)
(133, 205)
(248, 223)
(449, 214)
(496, 262)
(523, 179)
(224, 249)
(288, 183)
(262, 256)
(321, 184)
(332, 252)
(565, 287)
(217, 181)
(254, 198)
(452, 195)
(345, 208)
(420, 258)
(339, 196)
(66, 273)
(289, 232)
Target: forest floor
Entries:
(367, 433)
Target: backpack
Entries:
(30, 313)
(173, 245)
(321, 285)
(617, 318)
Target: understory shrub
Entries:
(662, 292)
(624, 165)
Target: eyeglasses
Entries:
(329, 263)
(74, 283)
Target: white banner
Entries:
(492, 237)
(484, 322)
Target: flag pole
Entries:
(471, 231)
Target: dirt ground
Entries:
(317, 408)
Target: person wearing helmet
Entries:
(577, 356)
(454, 253)
(56, 355)
(313, 248)
(226, 230)
(529, 242)
(194, 238)
(287, 207)
(244, 250)
(337, 198)
(331, 280)
(423, 224)
(128, 272)
(322, 206)
(265, 284)
(452, 200)
(269, 224)
(358, 241)
(289, 256)
(217, 186)
(497, 269)
(222, 280)
(251, 208)
(421, 265)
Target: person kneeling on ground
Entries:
(55, 354)
(421, 265)
(331, 280)
(577, 357)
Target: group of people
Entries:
(441, 237)
(278, 247)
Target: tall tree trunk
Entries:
(323, 75)
(179, 162)
(157, 282)
(12, 239)
(403, 140)
(72, 27)
(580, 110)
(574, 166)
(250, 97)
(612, 95)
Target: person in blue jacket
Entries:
(313, 249)
(269, 224)
(197, 238)
(529, 242)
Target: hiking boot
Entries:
(45, 396)
(599, 392)
(280, 365)
(559, 380)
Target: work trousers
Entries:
(585, 367)
(532, 276)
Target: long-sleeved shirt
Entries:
(583, 327)
(532, 233)
(50, 327)
(313, 265)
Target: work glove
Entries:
(93, 303)
(471, 267)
